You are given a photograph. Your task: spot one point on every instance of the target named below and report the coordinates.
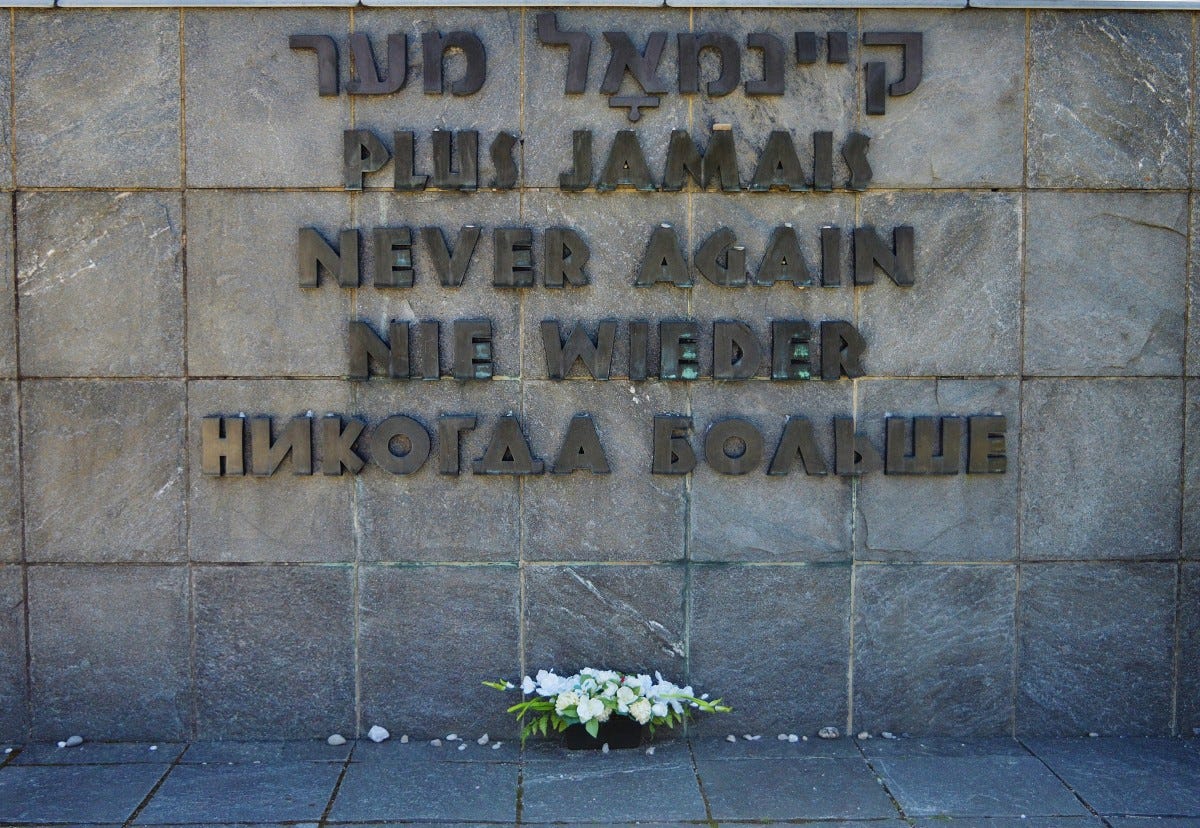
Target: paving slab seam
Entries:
(1064, 782)
(146, 800)
(337, 786)
(520, 804)
(882, 782)
(700, 784)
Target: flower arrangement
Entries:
(590, 697)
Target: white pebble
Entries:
(792, 737)
(828, 733)
(604, 749)
(62, 744)
(1094, 735)
(803, 738)
(336, 739)
(649, 751)
(482, 740)
(74, 741)
(377, 734)
(453, 737)
(754, 738)
(730, 738)
(436, 742)
(404, 739)
(462, 747)
(496, 745)
(747, 737)
(154, 747)
(863, 736)
(7, 750)
(782, 737)
(888, 735)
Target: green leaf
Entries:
(593, 728)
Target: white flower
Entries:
(626, 695)
(604, 713)
(589, 709)
(659, 709)
(527, 685)
(640, 710)
(565, 700)
(610, 690)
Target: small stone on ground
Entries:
(377, 734)
(828, 733)
(336, 739)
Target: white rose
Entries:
(565, 700)
(659, 710)
(588, 709)
(610, 690)
(626, 695)
(640, 710)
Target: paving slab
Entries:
(1010, 822)
(76, 793)
(983, 786)
(100, 753)
(426, 790)
(943, 746)
(593, 788)
(1132, 777)
(421, 750)
(284, 791)
(788, 789)
(666, 751)
(770, 747)
(240, 752)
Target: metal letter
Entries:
(595, 356)
(774, 57)
(473, 349)
(791, 357)
(722, 244)
(831, 256)
(428, 335)
(451, 265)
(839, 47)
(362, 153)
(870, 250)
(337, 446)
(513, 253)
(664, 261)
(679, 350)
(580, 175)
(690, 47)
(854, 151)
(823, 161)
(643, 66)
(315, 253)
(912, 57)
(503, 162)
(327, 60)
(434, 47)
(783, 261)
(923, 433)
(806, 47)
(986, 449)
(366, 345)
(747, 446)
(413, 444)
(720, 161)
(639, 334)
(466, 178)
(797, 443)
(626, 165)
(393, 257)
(875, 84)
(853, 453)
(404, 179)
(508, 451)
(368, 81)
(842, 348)
(579, 50)
(736, 352)
(266, 455)
(221, 450)
(581, 448)
(673, 454)
(778, 165)
(450, 426)
(567, 255)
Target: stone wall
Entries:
(162, 162)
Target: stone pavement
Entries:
(998, 783)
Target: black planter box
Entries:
(619, 732)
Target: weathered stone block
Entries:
(430, 516)
(267, 127)
(1191, 472)
(247, 314)
(281, 518)
(495, 108)
(960, 517)
(962, 126)
(756, 631)
(586, 516)
(800, 516)
(103, 470)
(8, 312)
(15, 713)
(1077, 501)
(817, 97)
(10, 478)
(109, 652)
(476, 298)
(6, 137)
(754, 219)
(411, 673)
(1189, 648)
(616, 229)
(97, 99)
(1096, 645)
(962, 314)
(265, 633)
(1192, 363)
(100, 278)
(933, 649)
(627, 618)
(1106, 291)
(1108, 99)
(551, 115)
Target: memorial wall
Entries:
(838, 363)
